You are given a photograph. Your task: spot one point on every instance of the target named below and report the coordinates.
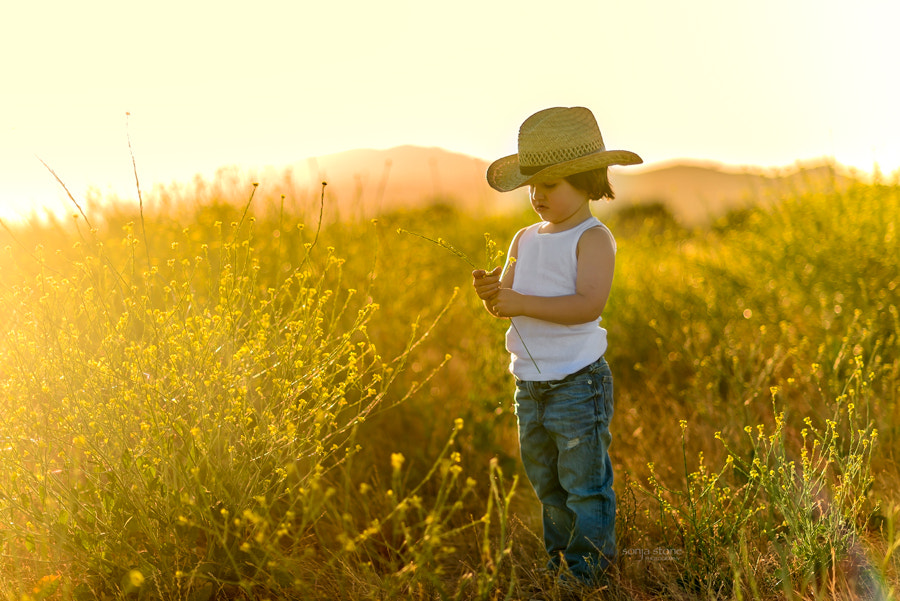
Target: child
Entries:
(554, 287)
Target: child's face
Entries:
(557, 201)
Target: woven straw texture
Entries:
(554, 143)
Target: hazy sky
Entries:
(209, 84)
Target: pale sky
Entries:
(212, 84)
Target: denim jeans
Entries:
(564, 440)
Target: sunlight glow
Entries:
(210, 85)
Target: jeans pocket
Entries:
(606, 404)
(569, 407)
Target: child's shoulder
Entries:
(598, 236)
(528, 229)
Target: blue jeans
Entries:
(564, 440)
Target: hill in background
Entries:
(365, 183)
(406, 176)
(696, 193)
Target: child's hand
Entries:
(487, 283)
(507, 303)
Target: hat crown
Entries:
(556, 135)
(555, 143)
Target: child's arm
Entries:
(488, 284)
(596, 263)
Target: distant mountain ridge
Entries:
(697, 193)
(406, 176)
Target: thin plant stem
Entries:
(69, 194)
(443, 244)
(137, 183)
(321, 210)
(513, 324)
(246, 208)
(458, 253)
(318, 227)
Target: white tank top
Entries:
(547, 266)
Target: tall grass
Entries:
(236, 400)
(186, 428)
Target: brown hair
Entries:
(595, 183)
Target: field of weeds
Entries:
(230, 399)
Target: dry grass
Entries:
(240, 404)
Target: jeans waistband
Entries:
(585, 369)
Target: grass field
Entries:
(230, 399)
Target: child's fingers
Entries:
(481, 273)
(487, 288)
(487, 284)
(488, 280)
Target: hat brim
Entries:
(504, 174)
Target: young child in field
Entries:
(554, 287)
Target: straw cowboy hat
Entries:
(555, 143)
